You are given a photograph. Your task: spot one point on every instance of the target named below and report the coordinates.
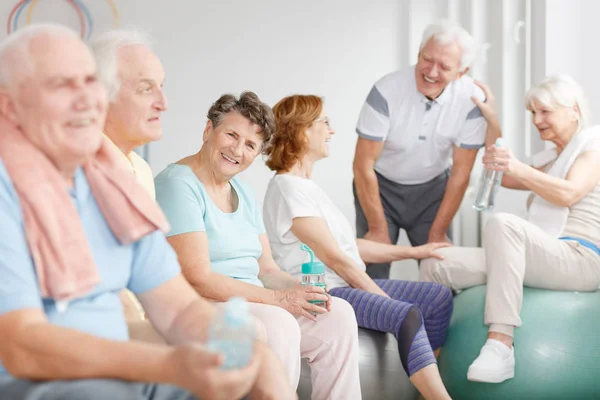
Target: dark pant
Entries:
(409, 207)
(88, 389)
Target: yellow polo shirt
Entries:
(132, 308)
(140, 168)
(142, 172)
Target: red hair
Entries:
(293, 115)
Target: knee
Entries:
(429, 270)
(412, 322)
(101, 389)
(341, 320)
(281, 328)
(432, 269)
(407, 332)
(500, 224)
(261, 331)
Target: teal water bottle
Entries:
(232, 334)
(313, 273)
(488, 186)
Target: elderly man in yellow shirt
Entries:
(133, 76)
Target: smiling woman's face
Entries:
(554, 123)
(233, 145)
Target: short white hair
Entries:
(447, 32)
(15, 57)
(106, 48)
(560, 91)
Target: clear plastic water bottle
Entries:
(488, 186)
(313, 274)
(232, 334)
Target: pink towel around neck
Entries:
(61, 253)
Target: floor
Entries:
(381, 374)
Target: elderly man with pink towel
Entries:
(76, 229)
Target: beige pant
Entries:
(515, 253)
(139, 327)
(330, 344)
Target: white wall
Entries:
(335, 49)
(572, 45)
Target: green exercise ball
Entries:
(557, 348)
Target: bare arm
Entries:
(367, 187)
(32, 348)
(487, 107)
(375, 252)
(315, 233)
(463, 160)
(583, 175)
(192, 251)
(493, 130)
(510, 182)
(177, 311)
(269, 273)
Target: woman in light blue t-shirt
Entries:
(219, 236)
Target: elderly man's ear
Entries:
(207, 130)
(7, 108)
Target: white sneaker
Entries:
(495, 363)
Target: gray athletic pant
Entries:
(409, 207)
(88, 389)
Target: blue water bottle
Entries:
(232, 334)
(488, 186)
(313, 274)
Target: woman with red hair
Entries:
(297, 211)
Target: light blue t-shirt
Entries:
(233, 238)
(140, 266)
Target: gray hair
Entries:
(15, 54)
(560, 91)
(106, 47)
(250, 107)
(446, 32)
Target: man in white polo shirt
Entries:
(419, 133)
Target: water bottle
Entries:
(313, 274)
(488, 186)
(232, 334)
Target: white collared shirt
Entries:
(419, 133)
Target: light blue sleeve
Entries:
(18, 282)
(154, 263)
(182, 204)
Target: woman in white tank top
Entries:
(557, 246)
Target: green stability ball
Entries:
(557, 348)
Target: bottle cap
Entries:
(312, 267)
(499, 142)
